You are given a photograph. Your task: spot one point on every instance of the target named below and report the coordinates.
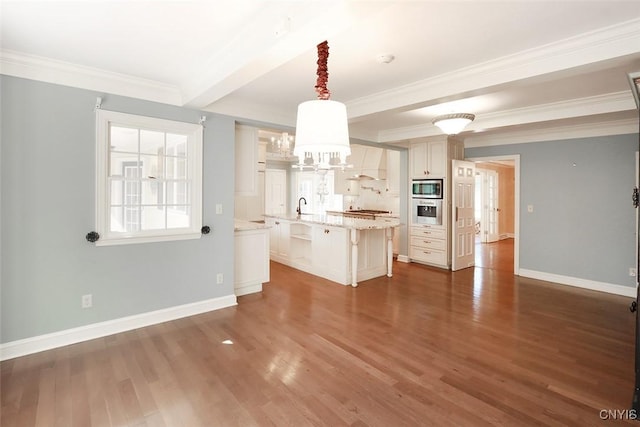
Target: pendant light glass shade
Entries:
(452, 124)
(322, 133)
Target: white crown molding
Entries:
(43, 69)
(590, 130)
(39, 343)
(580, 107)
(627, 291)
(606, 43)
(588, 106)
(255, 112)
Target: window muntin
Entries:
(149, 179)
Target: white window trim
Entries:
(194, 159)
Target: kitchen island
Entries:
(339, 248)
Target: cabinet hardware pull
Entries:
(427, 241)
(277, 223)
(427, 253)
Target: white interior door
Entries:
(463, 224)
(275, 197)
(492, 211)
(487, 212)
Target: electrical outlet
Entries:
(219, 278)
(87, 301)
(632, 272)
(530, 208)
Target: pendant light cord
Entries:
(323, 71)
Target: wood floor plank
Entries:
(478, 347)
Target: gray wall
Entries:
(48, 204)
(583, 223)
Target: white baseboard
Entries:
(403, 258)
(247, 289)
(593, 285)
(39, 343)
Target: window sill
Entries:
(114, 241)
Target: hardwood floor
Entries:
(496, 255)
(478, 347)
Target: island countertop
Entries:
(243, 225)
(341, 221)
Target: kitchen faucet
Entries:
(299, 200)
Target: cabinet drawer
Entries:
(428, 243)
(427, 255)
(436, 233)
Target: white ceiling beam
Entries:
(258, 50)
(599, 45)
(588, 106)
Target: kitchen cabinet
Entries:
(330, 252)
(343, 185)
(431, 244)
(279, 239)
(251, 249)
(428, 159)
(246, 161)
(262, 156)
(393, 173)
(428, 243)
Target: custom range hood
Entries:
(369, 163)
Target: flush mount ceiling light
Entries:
(322, 132)
(452, 124)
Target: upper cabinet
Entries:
(344, 184)
(262, 156)
(246, 144)
(428, 159)
(393, 173)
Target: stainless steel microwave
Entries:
(427, 188)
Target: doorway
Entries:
(496, 212)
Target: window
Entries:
(149, 179)
(317, 189)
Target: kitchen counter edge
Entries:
(340, 221)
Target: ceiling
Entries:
(528, 70)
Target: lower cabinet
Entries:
(251, 267)
(330, 250)
(279, 239)
(428, 244)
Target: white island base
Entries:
(330, 248)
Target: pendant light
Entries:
(322, 132)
